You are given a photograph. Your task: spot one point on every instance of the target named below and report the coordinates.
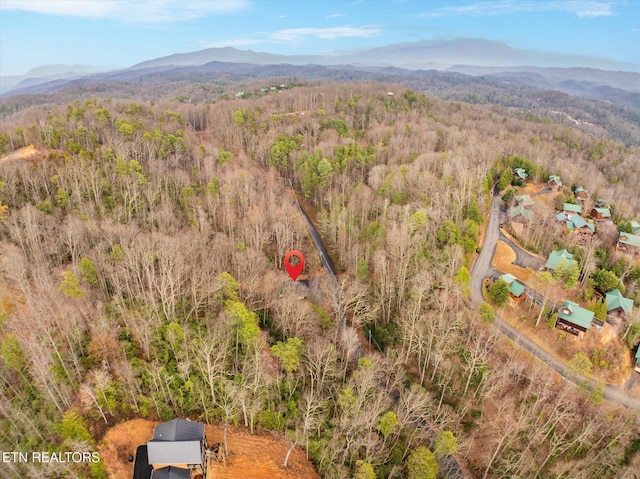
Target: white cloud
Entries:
(580, 8)
(137, 11)
(332, 33)
(298, 35)
(336, 15)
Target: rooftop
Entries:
(573, 313)
(521, 173)
(555, 179)
(557, 258)
(520, 210)
(615, 300)
(178, 430)
(171, 473)
(515, 287)
(572, 208)
(629, 239)
(604, 212)
(524, 200)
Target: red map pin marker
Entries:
(294, 262)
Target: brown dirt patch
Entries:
(25, 153)
(257, 456)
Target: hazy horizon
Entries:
(36, 33)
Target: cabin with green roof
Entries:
(574, 319)
(554, 182)
(616, 303)
(629, 243)
(637, 368)
(635, 227)
(520, 213)
(571, 209)
(601, 214)
(559, 259)
(521, 173)
(582, 195)
(516, 288)
(576, 223)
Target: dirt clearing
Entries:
(256, 456)
(25, 153)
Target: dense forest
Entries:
(142, 276)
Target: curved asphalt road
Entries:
(482, 269)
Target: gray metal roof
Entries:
(174, 452)
(178, 430)
(171, 473)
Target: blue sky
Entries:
(125, 32)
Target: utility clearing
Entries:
(258, 456)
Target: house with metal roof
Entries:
(629, 243)
(571, 209)
(582, 195)
(554, 182)
(559, 259)
(575, 223)
(520, 213)
(616, 303)
(516, 288)
(637, 368)
(600, 214)
(521, 173)
(573, 318)
(635, 227)
(178, 443)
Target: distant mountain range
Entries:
(469, 56)
(464, 69)
(424, 55)
(48, 73)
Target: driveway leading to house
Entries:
(524, 259)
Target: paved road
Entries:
(524, 259)
(327, 262)
(482, 264)
(482, 269)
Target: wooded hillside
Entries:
(142, 276)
